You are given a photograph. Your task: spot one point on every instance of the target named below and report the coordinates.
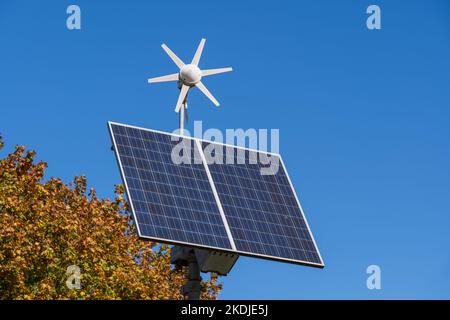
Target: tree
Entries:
(47, 226)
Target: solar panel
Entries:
(228, 206)
(262, 210)
(170, 202)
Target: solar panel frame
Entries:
(235, 251)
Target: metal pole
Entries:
(182, 118)
(190, 290)
(185, 256)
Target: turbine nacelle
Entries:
(189, 75)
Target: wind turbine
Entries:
(190, 75)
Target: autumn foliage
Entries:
(47, 226)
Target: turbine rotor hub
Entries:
(190, 74)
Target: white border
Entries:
(251, 254)
(216, 195)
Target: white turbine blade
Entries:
(173, 56)
(170, 77)
(198, 53)
(206, 92)
(181, 97)
(209, 72)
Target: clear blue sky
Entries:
(364, 117)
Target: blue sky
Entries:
(363, 118)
